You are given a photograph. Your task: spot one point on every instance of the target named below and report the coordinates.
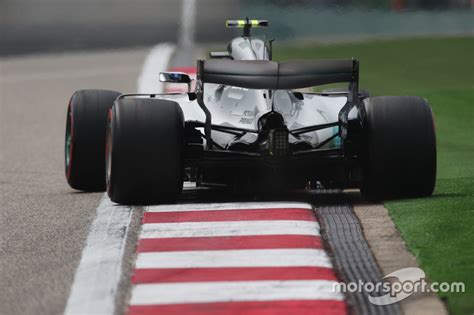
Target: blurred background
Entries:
(29, 26)
(50, 48)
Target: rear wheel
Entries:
(145, 142)
(400, 154)
(85, 138)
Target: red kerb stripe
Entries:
(228, 242)
(229, 215)
(231, 274)
(323, 307)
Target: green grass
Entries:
(438, 230)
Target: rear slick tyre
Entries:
(400, 156)
(86, 126)
(145, 142)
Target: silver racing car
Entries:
(253, 125)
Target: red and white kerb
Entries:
(233, 258)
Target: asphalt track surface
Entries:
(44, 224)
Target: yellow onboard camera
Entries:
(246, 24)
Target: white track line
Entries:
(229, 228)
(228, 206)
(156, 62)
(97, 277)
(202, 292)
(235, 258)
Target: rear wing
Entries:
(286, 75)
(271, 75)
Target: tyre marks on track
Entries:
(227, 258)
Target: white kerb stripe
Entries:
(229, 228)
(202, 292)
(235, 258)
(228, 206)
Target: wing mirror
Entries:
(176, 77)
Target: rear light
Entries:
(278, 144)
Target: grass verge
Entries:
(438, 230)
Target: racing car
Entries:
(251, 124)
